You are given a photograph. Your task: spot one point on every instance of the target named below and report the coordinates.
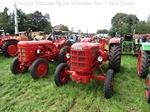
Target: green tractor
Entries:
(143, 67)
(131, 44)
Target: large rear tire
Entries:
(9, 49)
(143, 63)
(16, 68)
(137, 49)
(62, 57)
(108, 84)
(60, 77)
(147, 90)
(39, 68)
(115, 57)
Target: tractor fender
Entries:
(115, 41)
(11, 40)
(145, 46)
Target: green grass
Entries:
(21, 93)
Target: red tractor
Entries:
(8, 44)
(147, 88)
(37, 54)
(3, 38)
(85, 58)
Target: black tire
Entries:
(145, 63)
(39, 68)
(5, 48)
(137, 49)
(62, 54)
(148, 100)
(147, 91)
(115, 57)
(16, 68)
(58, 75)
(108, 84)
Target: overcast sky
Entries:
(81, 14)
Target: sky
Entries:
(85, 15)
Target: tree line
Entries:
(123, 23)
(35, 21)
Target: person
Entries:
(71, 39)
(144, 38)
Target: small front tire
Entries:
(108, 84)
(60, 77)
(39, 68)
(16, 68)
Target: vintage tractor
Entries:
(37, 54)
(131, 44)
(143, 60)
(143, 64)
(8, 45)
(3, 38)
(85, 58)
(147, 88)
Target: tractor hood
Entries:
(146, 46)
(33, 43)
(85, 45)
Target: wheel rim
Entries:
(20, 68)
(139, 62)
(148, 85)
(63, 76)
(12, 50)
(41, 69)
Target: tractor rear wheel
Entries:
(115, 57)
(16, 68)
(108, 84)
(136, 49)
(143, 63)
(147, 90)
(9, 49)
(39, 68)
(60, 77)
(64, 54)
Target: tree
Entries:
(128, 20)
(141, 27)
(5, 19)
(66, 28)
(102, 31)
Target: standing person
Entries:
(144, 38)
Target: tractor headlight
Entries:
(38, 51)
(68, 55)
(100, 59)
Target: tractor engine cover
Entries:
(83, 55)
(28, 49)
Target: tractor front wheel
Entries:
(108, 84)
(147, 89)
(115, 57)
(9, 49)
(64, 54)
(39, 68)
(60, 77)
(143, 63)
(16, 68)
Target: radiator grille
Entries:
(78, 59)
(21, 54)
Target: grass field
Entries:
(21, 93)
